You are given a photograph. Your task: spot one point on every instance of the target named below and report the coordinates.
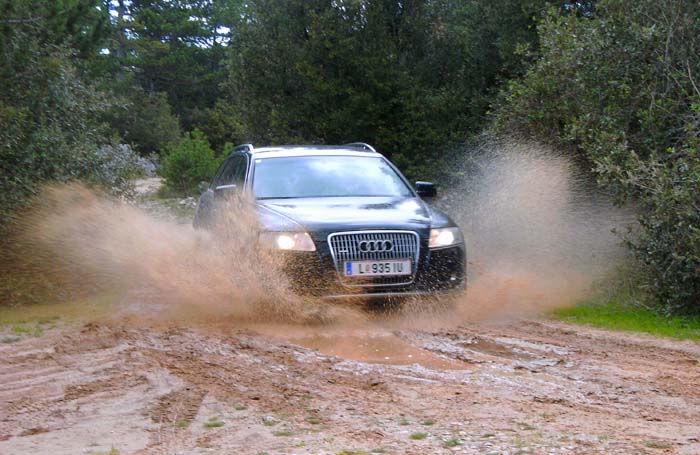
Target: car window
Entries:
(217, 175)
(232, 172)
(326, 176)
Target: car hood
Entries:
(321, 216)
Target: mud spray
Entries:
(538, 236)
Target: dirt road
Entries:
(522, 387)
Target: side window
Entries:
(232, 172)
(217, 176)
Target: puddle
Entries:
(382, 348)
(496, 349)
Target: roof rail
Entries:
(361, 145)
(243, 147)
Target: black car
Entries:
(348, 220)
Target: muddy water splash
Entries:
(538, 236)
(539, 233)
(84, 241)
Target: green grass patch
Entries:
(111, 451)
(617, 315)
(21, 329)
(213, 422)
(418, 436)
(313, 420)
(658, 445)
(283, 433)
(452, 442)
(269, 422)
(428, 422)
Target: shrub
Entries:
(145, 120)
(114, 166)
(190, 163)
(622, 87)
(668, 243)
(50, 128)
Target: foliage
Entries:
(175, 48)
(222, 125)
(621, 86)
(145, 120)
(667, 187)
(409, 77)
(115, 165)
(190, 163)
(48, 112)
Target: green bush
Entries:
(622, 87)
(190, 163)
(50, 128)
(145, 120)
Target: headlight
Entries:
(290, 241)
(445, 237)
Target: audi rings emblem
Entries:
(375, 246)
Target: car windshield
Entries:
(326, 176)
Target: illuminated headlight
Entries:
(445, 237)
(289, 241)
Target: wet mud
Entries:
(522, 387)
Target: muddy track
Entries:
(522, 387)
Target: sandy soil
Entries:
(521, 387)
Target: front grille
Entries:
(345, 246)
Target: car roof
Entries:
(278, 151)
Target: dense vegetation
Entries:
(622, 88)
(91, 87)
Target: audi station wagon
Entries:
(347, 222)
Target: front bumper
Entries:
(438, 271)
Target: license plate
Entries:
(378, 268)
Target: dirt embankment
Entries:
(524, 387)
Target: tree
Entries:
(49, 127)
(621, 88)
(173, 47)
(412, 77)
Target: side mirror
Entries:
(202, 187)
(426, 189)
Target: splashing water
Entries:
(84, 241)
(537, 234)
